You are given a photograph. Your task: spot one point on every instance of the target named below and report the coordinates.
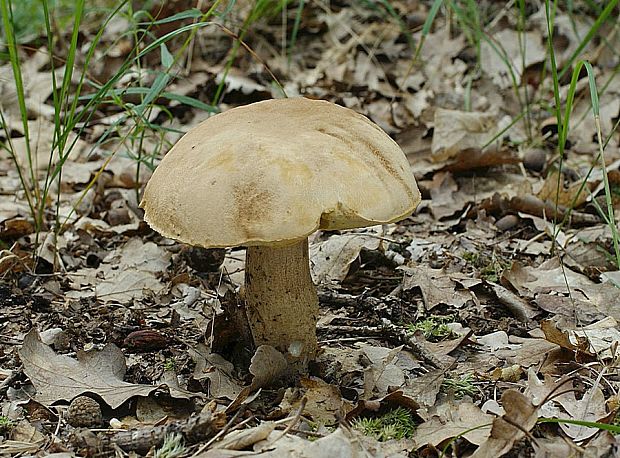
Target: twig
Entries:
(365, 331)
(194, 430)
(224, 430)
(347, 300)
(388, 330)
(295, 420)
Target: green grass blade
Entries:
(426, 28)
(295, 31)
(590, 424)
(590, 35)
(11, 45)
(193, 13)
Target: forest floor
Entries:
(483, 325)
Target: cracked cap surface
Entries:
(276, 171)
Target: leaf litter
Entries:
(132, 320)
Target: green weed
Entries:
(490, 266)
(29, 18)
(395, 424)
(463, 386)
(172, 447)
(434, 328)
(169, 365)
(6, 424)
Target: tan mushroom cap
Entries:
(276, 171)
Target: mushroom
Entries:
(266, 176)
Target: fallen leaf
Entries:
(217, 370)
(425, 388)
(125, 274)
(245, 438)
(457, 131)
(519, 411)
(558, 331)
(503, 59)
(436, 286)
(330, 259)
(590, 407)
(60, 378)
(324, 402)
(452, 419)
(267, 366)
(382, 374)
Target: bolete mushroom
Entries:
(266, 176)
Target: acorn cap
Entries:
(276, 171)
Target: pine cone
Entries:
(84, 412)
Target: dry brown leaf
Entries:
(267, 366)
(124, 274)
(452, 419)
(596, 339)
(37, 83)
(425, 388)
(330, 259)
(603, 445)
(519, 411)
(561, 333)
(457, 131)
(557, 399)
(590, 407)
(474, 158)
(382, 375)
(529, 352)
(519, 307)
(218, 370)
(60, 378)
(436, 286)
(547, 277)
(446, 198)
(324, 403)
(245, 438)
(502, 57)
(573, 195)
(569, 308)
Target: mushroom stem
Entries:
(282, 303)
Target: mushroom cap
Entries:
(276, 171)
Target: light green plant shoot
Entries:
(395, 424)
(434, 328)
(172, 447)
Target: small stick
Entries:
(295, 420)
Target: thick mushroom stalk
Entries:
(282, 303)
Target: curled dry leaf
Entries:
(245, 438)
(596, 339)
(330, 259)
(267, 366)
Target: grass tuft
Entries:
(395, 424)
